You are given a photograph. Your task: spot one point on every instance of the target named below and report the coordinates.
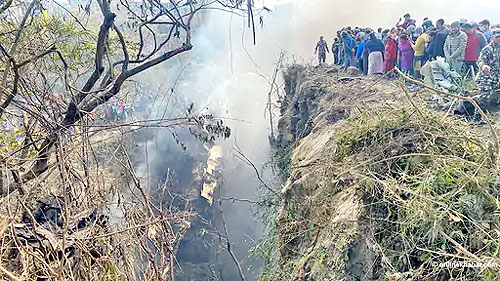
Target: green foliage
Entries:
(428, 181)
(429, 177)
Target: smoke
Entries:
(223, 75)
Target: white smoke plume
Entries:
(224, 74)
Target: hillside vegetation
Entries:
(380, 188)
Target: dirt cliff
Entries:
(378, 187)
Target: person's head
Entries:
(336, 39)
(403, 37)
(372, 36)
(419, 30)
(475, 26)
(407, 17)
(344, 34)
(321, 38)
(455, 27)
(379, 30)
(495, 35)
(362, 36)
(410, 30)
(467, 28)
(484, 25)
(432, 34)
(427, 24)
(440, 23)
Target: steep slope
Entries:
(379, 189)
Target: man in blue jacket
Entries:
(349, 45)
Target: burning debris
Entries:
(210, 173)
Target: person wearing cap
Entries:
(439, 39)
(454, 47)
(484, 26)
(489, 65)
(475, 43)
(321, 49)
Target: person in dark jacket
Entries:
(336, 51)
(373, 56)
(427, 24)
(429, 51)
(359, 53)
(349, 45)
(439, 39)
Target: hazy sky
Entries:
(296, 24)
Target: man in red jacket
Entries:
(476, 41)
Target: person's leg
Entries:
(418, 66)
(348, 62)
(344, 62)
(475, 68)
(469, 69)
(458, 66)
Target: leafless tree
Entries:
(59, 63)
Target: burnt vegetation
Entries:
(73, 206)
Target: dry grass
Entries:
(405, 188)
(107, 227)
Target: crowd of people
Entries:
(469, 48)
(115, 112)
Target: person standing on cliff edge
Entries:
(321, 49)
